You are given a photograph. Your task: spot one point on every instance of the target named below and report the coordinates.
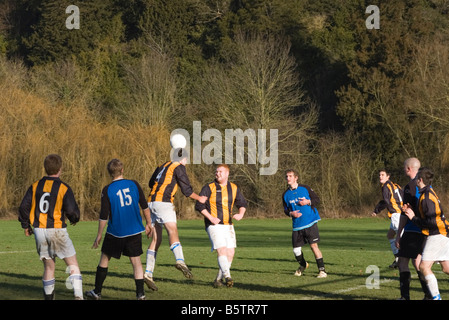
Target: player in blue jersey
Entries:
(300, 203)
(120, 201)
(409, 238)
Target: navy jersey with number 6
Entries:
(120, 202)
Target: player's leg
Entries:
(151, 256)
(75, 276)
(138, 277)
(48, 278)
(391, 236)
(297, 243)
(432, 283)
(176, 248)
(319, 260)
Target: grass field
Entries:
(263, 266)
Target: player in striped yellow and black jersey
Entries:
(222, 195)
(433, 224)
(45, 206)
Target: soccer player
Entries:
(120, 201)
(300, 203)
(45, 206)
(217, 212)
(430, 218)
(163, 184)
(392, 200)
(409, 238)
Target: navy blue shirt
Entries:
(120, 202)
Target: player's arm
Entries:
(24, 211)
(241, 204)
(185, 186)
(146, 211)
(70, 207)
(105, 211)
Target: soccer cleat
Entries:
(184, 269)
(218, 283)
(394, 265)
(322, 274)
(91, 295)
(141, 297)
(301, 269)
(149, 282)
(229, 282)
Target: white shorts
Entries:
(394, 225)
(436, 248)
(162, 212)
(53, 242)
(221, 236)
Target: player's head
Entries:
(426, 175)
(115, 168)
(222, 173)
(180, 155)
(52, 164)
(291, 175)
(384, 176)
(411, 167)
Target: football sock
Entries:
(139, 287)
(223, 263)
(49, 287)
(320, 264)
(404, 284)
(151, 261)
(301, 260)
(433, 285)
(176, 248)
(77, 283)
(100, 276)
(424, 286)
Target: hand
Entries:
(97, 242)
(28, 231)
(295, 214)
(304, 202)
(238, 216)
(149, 230)
(214, 220)
(202, 199)
(409, 213)
(373, 214)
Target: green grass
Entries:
(262, 269)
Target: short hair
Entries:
(52, 164)
(386, 171)
(292, 170)
(426, 175)
(115, 167)
(223, 165)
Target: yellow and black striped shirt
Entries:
(220, 201)
(165, 180)
(430, 217)
(392, 199)
(47, 203)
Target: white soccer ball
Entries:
(178, 141)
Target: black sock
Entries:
(320, 264)
(301, 260)
(404, 283)
(100, 276)
(139, 287)
(424, 286)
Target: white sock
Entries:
(176, 248)
(151, 261)
(49, 286)
(432, 284)
(224, 265)
(77, 283)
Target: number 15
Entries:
(128, 199)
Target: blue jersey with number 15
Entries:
(120, 202)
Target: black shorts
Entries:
(309, 235)
(128, 246)
(411, 244)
